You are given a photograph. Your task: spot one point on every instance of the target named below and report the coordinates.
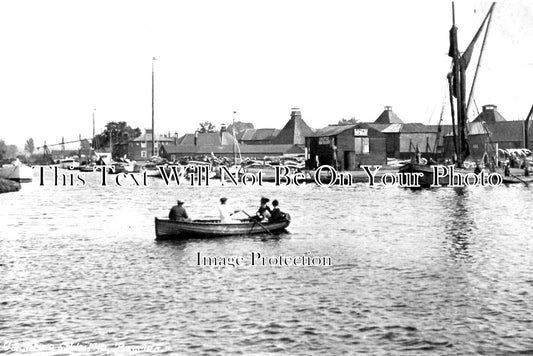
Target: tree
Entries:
(118, 131)
(343, 121)
(7, 151)
(29, 147)
(3, 150)
(12, 151)
(206, 127)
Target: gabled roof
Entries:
(379, 127)
(294, 131)
(506, 131)
(418, 128)
(489, 114)
(187, 139)
(388, 117)
(334, 130)
(258, 134)
(207, 139)
(499, 131)
(393, 128)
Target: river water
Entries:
(447, 271)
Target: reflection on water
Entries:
(441, 271)
(460, 226)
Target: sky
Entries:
(63, 61)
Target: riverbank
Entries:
(7, 186)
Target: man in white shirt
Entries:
(225, 211)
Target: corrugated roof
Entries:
(379, 127)
(247, 134)
(332, 130)
(259, 134)
(187, 139)
(416, 128)
(507, 131)
(499, 131)
(392, 128)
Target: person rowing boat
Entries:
(226, 212)
(178, 212)
(264, 210)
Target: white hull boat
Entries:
(17, 172)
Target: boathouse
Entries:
(346, 147)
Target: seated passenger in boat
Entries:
(276, 214)
(178, 212)
(264, 210)
(477, 170)
(226, 212)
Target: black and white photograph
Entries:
(266, 177)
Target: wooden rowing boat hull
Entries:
(169, 229)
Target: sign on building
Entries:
(324, 140)
(360, 132)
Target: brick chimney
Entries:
(296, 113)
(489, 107)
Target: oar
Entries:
(523, 181)
(258, 223)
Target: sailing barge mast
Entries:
(457, 85)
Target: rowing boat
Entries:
(168, 229)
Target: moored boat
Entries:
(170, 229)
(16, 171)
(459, 103)
(68, 163)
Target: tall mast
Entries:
(234, 138)
(458, 89)
(489, 16)
(526, 128)
(153, 129)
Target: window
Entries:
(143, 144)
(362, 146)
(143, 153)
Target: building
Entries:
(175, 153)
(217, 138)
(404, 140)
(490, 131)
(294, 132)
(346, 147)
(257, 136)
(256, 143)
(140, 148)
